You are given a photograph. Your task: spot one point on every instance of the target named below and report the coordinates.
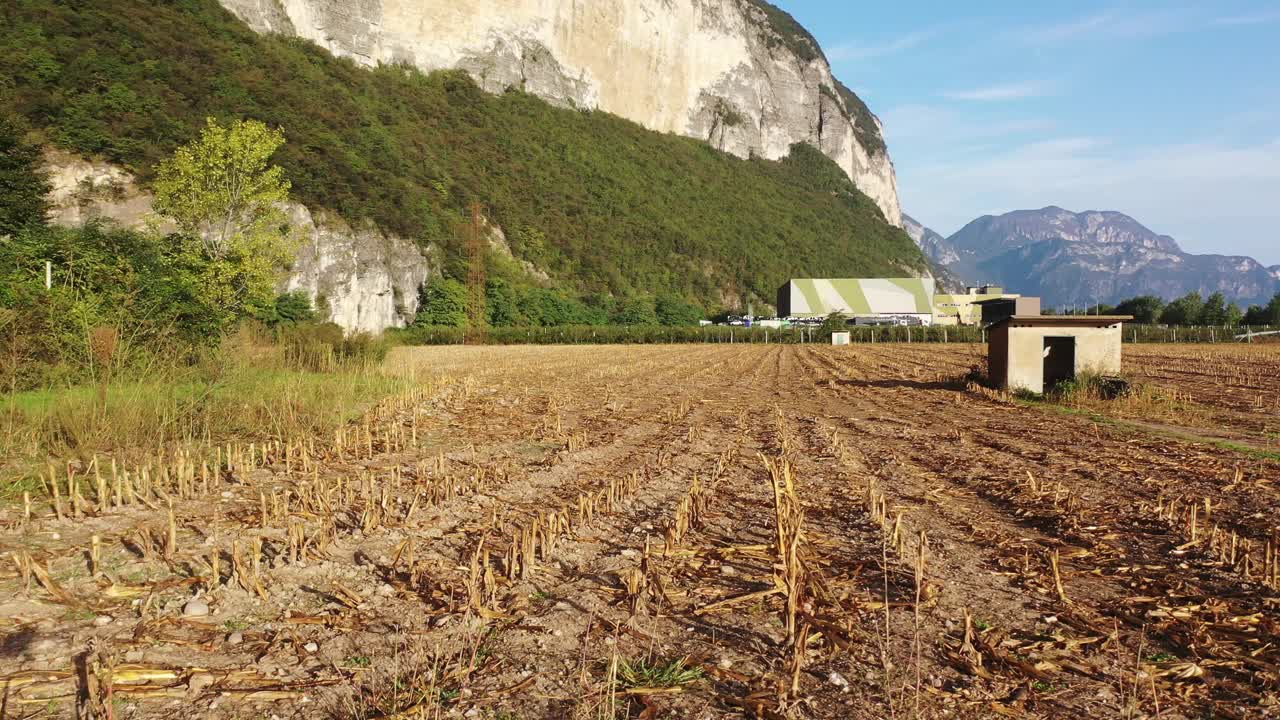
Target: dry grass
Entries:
(411, 680)
(246, 392)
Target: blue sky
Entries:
(1167, 112)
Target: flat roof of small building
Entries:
(1064, 320)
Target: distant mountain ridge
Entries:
(1070, 258)
(938, 253)
(932, 243)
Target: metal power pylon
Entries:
(476, 321)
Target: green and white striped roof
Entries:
(867, 296)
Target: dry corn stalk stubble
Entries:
(294, 505)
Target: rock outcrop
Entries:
(936, 251)
(82, 190)
(368, 280)
(740, 74)
(1084, 258)
(935, 246)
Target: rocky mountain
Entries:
(932, 243)
(1071, 258)
(387, 161)
(936, 249)
(740, 74)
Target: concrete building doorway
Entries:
(1036, 352)
(1059, 361)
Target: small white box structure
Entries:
(839, 338)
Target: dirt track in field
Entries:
(386, 583)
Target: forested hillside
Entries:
(598, 202)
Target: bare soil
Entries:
(535, 531)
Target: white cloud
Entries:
(1264, 17)
(858, 51)
(1111, 24)
(1066, 30)
(928, 126)
(998, 93)
(1212, 197)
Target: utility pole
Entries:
(475, 277)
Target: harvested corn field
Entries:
(718, 531)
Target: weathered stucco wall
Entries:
(1098, 350)
(711, 69)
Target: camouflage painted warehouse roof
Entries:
(850, 296)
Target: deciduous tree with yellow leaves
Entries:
(228, 200)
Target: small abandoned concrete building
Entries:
(1037, 352)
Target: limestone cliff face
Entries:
(82, 190)
(725, 71)
(369, 280)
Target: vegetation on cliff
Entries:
(601, 204)
(865, 124)
(790, 33)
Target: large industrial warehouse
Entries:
(903, 300)
(906, 298)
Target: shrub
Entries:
(324, 347)
(672, 310)
(138, 283)
(637, 311)
(444, 302)
(363, 348)
(289, 308)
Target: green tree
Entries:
(673, 310)
(23, 187)
(1183, 311)
(1268, 314)
(222, 188)
(501, 304)
(546, 307)
(1145, 309)
(289, 308)
(598, 308)
(227, 200)
(636, 311)
(444, 302)
(1234, 315)
(835, 322)
(1214, 310)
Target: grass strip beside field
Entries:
(245, 403)
(1181, 434)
